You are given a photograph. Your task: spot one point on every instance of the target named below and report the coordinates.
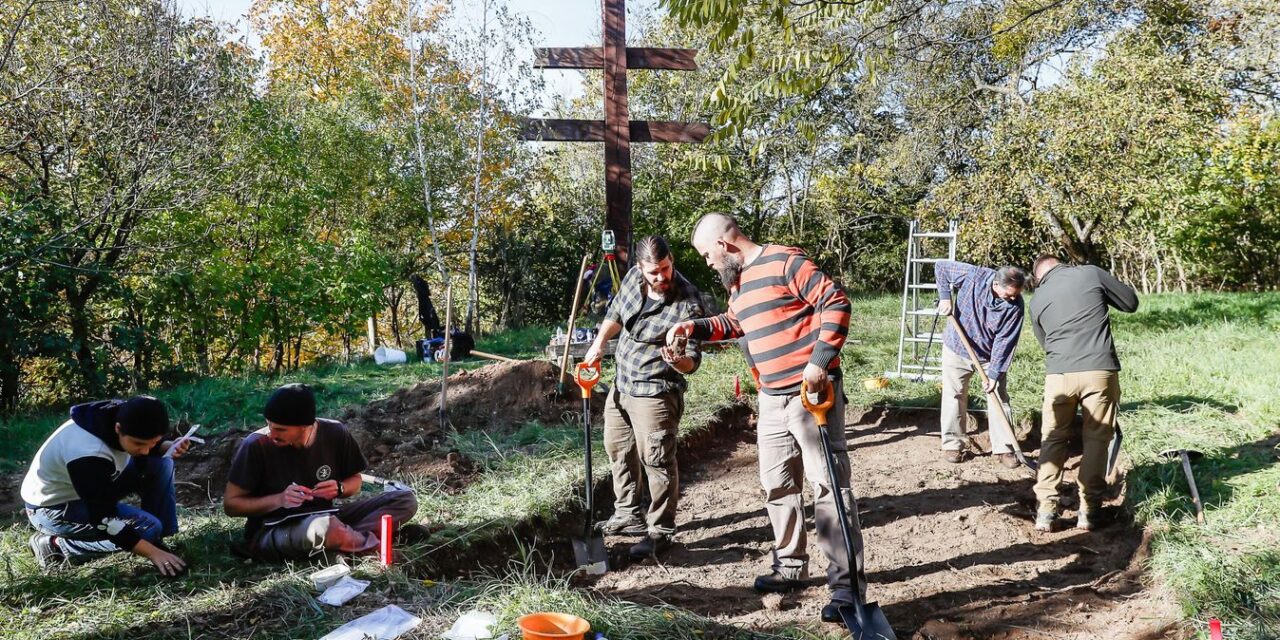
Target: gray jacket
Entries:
(1070, 318)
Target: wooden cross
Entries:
(617, 130)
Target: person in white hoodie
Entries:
(107, 450)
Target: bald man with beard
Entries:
(794, 319)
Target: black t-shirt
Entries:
(262, 468)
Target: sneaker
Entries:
(776, 583)
(623, 526)
(954, 456)
(45, 549)
(652, 545)
(1045, 520)
(1008, 460)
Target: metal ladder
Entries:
(920, 347)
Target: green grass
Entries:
(1200, 371)
(220, 404)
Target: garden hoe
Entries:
(993, 399)
(864, 620)
(1187, 456)
(589, 550)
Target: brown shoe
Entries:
(954, 456)
(1008, 460)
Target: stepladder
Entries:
(920, 330)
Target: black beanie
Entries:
(143, 417)
(293, 405)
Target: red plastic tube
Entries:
(386, 540)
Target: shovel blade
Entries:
(591, 555)
(870, 625)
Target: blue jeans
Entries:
(80, 540)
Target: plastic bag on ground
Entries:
(384, 624)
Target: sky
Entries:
(560, 23)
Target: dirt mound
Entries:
(497, 399)
(950, 549)
(401, 436)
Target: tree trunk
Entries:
(372, 333)
(86, 367)
(473, 295)
(10, 379)
(396, 296)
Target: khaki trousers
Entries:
(956, 373)
(1098, 392)
(790, 450)
(640, 434)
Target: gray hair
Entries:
(1009, 276)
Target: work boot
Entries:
(776, 583)
(1088, 520)
(954, 456)
(839, 598)
(623, 525)
(1008, 460)
(652, 545)
(1045, 520)
(45, 549)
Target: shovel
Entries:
(864, 620)
(589, 550)
(993, 399)
(1188, 456)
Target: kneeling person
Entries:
(107, 450)
(285, 477)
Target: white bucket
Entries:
(387, 355)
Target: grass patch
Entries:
(1200, 371)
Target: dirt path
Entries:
(950, 548)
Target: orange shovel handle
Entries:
(586, 375)
(818, 410)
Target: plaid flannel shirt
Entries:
(992, 323)
(641, 370)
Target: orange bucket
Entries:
(552, 626)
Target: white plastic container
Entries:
(387, 355)
(329, 575)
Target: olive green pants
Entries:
(640, 437)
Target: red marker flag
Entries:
(386, 540)
(1215, 629)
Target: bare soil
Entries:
(402, 435)
(950, 548)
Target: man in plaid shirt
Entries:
(644, 405)
(988, 304)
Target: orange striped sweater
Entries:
(790, 313)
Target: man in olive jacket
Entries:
(1070, 316)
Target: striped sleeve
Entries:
(722, 327)
(818, 290)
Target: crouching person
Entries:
(285, 477)
(107, 450)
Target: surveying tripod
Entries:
(610, 263)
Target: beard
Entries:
(730, 272)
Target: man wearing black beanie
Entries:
(107, 450)
(285, 477)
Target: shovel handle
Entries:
(586, 374)
(819, 409)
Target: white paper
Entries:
(342, 591)
(384, 624)
(473, 625)
(174, 447)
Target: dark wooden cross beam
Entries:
(617, 130)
